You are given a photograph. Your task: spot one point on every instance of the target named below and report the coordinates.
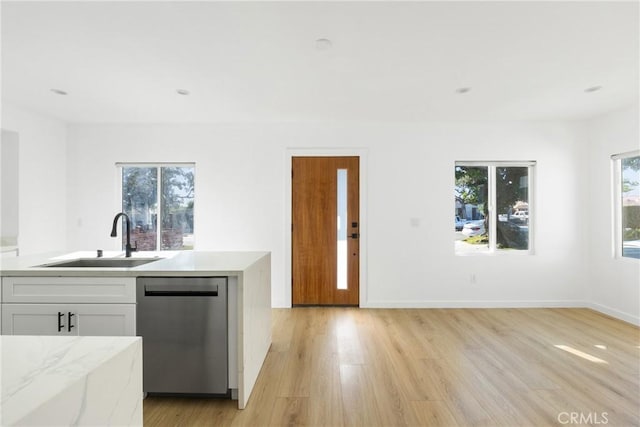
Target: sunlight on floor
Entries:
(345, 327)
(582, 354)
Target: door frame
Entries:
(362, 153)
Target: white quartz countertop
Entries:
(171, 263)
(40, 369)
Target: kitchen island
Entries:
(70, 380)
(30, 281)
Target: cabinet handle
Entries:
(60, 325)
(69, 321)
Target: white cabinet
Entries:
(97, 306)
(69, 319)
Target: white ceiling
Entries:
(257, 61)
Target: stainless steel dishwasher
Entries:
(183, 325)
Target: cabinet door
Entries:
(75, 319)
(37, 319)
(106, 319)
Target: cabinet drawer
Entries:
(69, 290)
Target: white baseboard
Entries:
(474, 304)
(621, 315)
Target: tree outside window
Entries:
(492, 202)
(158, 197)
(471, 196)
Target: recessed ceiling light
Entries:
(593, 89)
(182, 92)
(58, 91)
(463, 89)
(323, 44)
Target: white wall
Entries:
(241, 175)
(42, 179)
(614, 285)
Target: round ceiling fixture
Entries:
(58, 91)
(593, 89)
(323, 44)
(463, 90)
(183, 92)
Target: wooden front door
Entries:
(325, 230)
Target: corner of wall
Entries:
(612, 284)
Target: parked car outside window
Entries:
(523, 215)
(473, 228)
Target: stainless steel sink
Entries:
(102, 262)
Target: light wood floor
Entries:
(347, 366)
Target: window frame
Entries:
(491, 166)
(159, 166)
(616, 205)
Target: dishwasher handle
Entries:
(180, 291)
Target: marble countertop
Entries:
(171, 263)
(39, 369)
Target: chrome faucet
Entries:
(127, 248)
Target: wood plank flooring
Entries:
(431, 367)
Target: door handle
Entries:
(354, 236)
(60, 325)
(69, 321)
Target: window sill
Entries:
(495, 253)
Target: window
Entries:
(159, 198)
(493, 207)
(627, 204)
